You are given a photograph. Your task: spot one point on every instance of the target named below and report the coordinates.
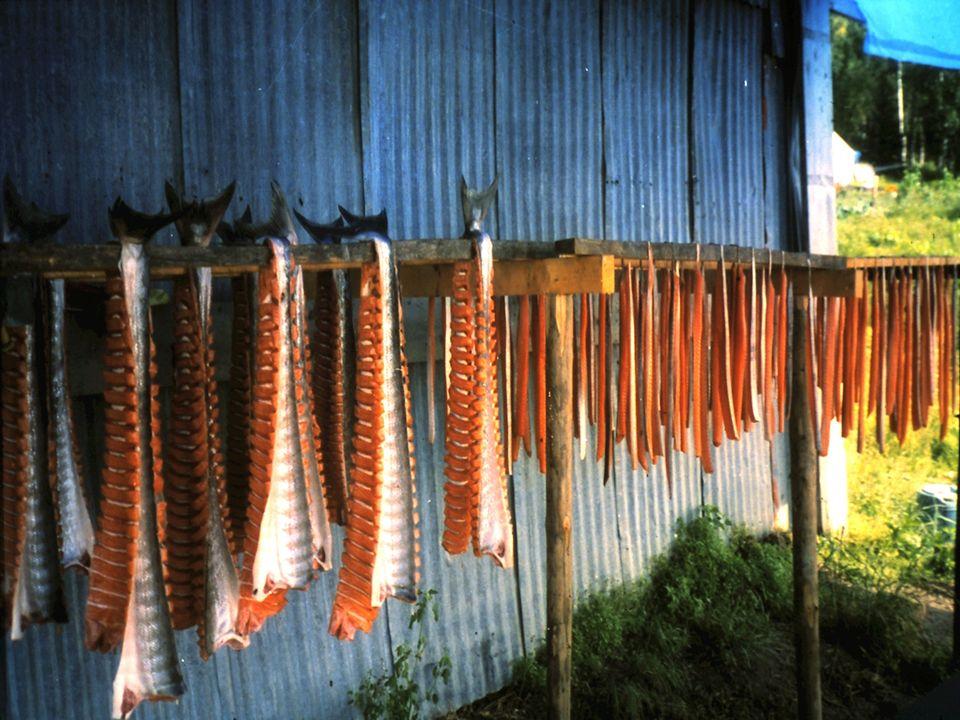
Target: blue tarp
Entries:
(918, 31)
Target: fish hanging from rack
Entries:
(204, 589)
(287, 533)
(244, 293)
(127, 601)
(381, 554)
(475, 492)
(31, 580)
(334, 370)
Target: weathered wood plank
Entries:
(563, 276)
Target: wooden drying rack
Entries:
(559, 270)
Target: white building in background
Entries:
(847, 171)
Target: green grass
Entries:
(912, 218)
(887, 544)
(709, 632)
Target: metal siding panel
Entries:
(548, 97)
(595, 523)
(479, 624)
(648, 511)
(775, 172)
(645, 67)
(269, 92)
(549, 155)
(429, 110)
(741, 483)
(728, 165)
(428, 118)
(90, 107)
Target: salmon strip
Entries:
(782, 336)
(882, 362)
(431, 369)
(700, 391)
(943, 365)
(623, 367)
(521, 420)
(753, 345)
(540, 353)
(768, 355)
(602, 389)
(650, 390)
(860, 372)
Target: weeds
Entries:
(711, 628)
(398, 696)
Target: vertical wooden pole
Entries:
(559, 504)
(803, 492)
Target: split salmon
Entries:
(204, 589)
(381, 549)
(287, 533)
(31, 583)
(334, 372)
(243, 289)
(76, 536)
(127, 602)
(475, 494)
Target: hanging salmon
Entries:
(243, 290)
(699, 360)
(521, 389)
(475, 493)
(287, 533)
(381, 555)
(540, 380)
(127, 602)
(334, 370)
(31, 582)
(204, 588)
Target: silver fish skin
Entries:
(148, 661)
(348, 359)
(321, 535)
(37, 592)
(76, 527)
(397, 564)
(284, 550)
(221, 585)
(495, 525)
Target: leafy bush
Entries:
(711, 627)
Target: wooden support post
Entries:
(559, 517)
(803, 492)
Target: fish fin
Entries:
(30, 221)
(129, 223)
(199, 218)
(321, 232)
(357, 224)
(476, 203)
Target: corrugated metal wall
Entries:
(610, 119)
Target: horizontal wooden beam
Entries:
(94, 261)
(664, 254)
(550, 276)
